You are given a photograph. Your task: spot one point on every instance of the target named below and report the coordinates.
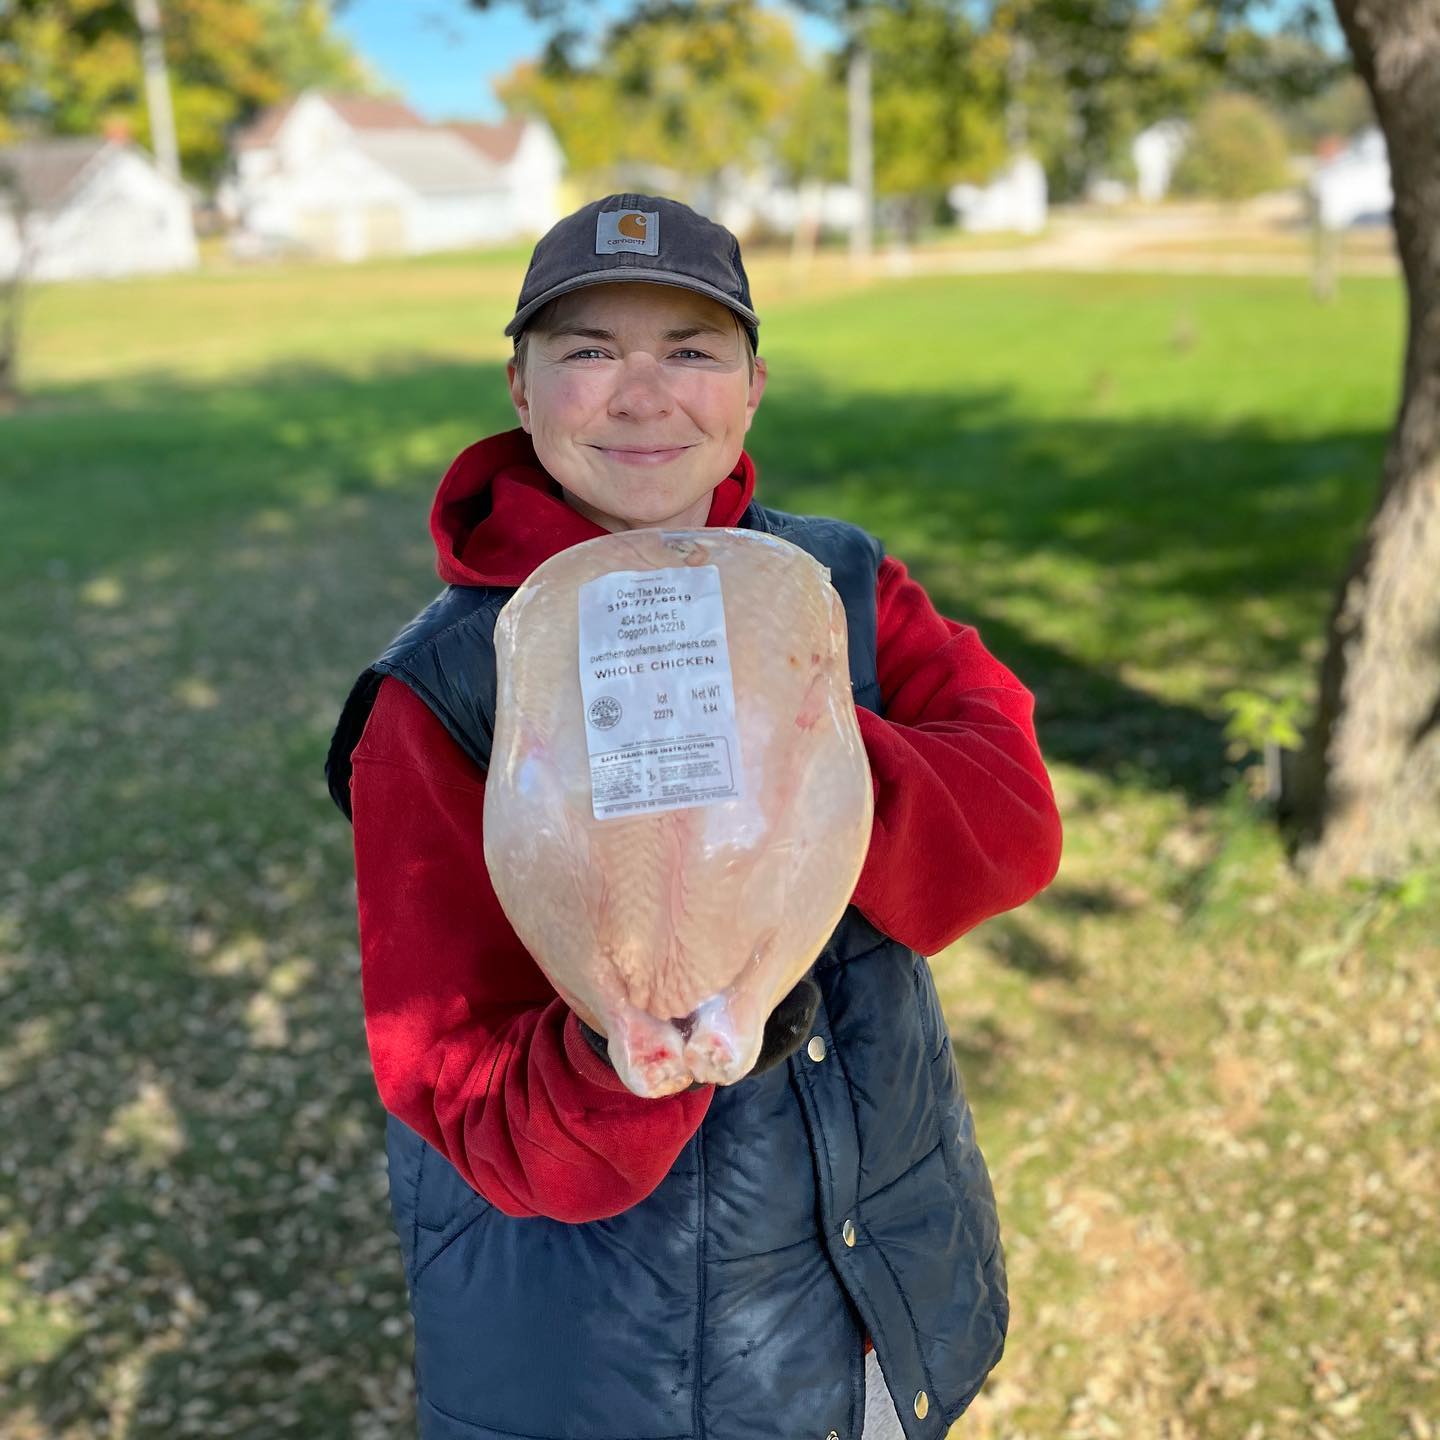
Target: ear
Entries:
(517, 394)
(757, 389)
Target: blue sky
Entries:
(443, 56)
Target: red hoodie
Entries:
(470, 1044)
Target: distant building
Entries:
(349, 177)
(755, 199)
(1156, 150)
(1353, 185)
(529, 157)
(1014, 200)
(92, 207)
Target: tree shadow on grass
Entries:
(100, 475)
(1088, 900)
(193, 1187)
(1133, 545)
(1020, 948)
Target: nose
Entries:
(640, 388)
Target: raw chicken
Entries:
(675, 924)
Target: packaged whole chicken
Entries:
(679, 803)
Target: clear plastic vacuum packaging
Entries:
(678, 803)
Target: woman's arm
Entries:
(470, 1045)
(965, 818)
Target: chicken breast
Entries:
(679, 803)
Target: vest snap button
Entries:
(922, 1405)
(847, 1232)
(816, 1048)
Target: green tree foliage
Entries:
(936, 105)
(1067, 80)
(688, 89)
(1175, 58)
(694, 88)
(1237, 149)
(1087, 75)
(1339, 110)
(809, 139)
(1073, 80)
(1286, 68)
(73, 66)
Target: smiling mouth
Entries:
(642, 457)
(642, 449)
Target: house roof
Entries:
(495, 142)
(360, 112)
(429, 161)
(49, 170)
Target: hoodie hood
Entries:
(498, 513)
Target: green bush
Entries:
(1237, 149)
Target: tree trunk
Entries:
(1365, 797)
(805, 236)
(862, 165)
(12, 288)
(157, 88)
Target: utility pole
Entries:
(1016, 120)
(157, 88)
(862, 166)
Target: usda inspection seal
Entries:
(605, 712)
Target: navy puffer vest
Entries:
(840, 1194)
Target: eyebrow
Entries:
(683, 333)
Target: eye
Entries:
(700, 353)
(575, 354)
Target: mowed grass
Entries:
(1208, 1098)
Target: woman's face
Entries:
(637, 399)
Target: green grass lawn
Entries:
(1208, 1098)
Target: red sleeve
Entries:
(470, 1044)
(965, 819)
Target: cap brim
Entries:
(654, 277)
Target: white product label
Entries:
(658, 694)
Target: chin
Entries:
(645, 506)
(649, 515)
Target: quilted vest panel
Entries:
(818, 1202)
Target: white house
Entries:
(760, 198)
(529, 158)
(1355, 184)
(348, 177)
(1156, 150)
(1015, 199)
(91, 207)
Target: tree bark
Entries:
(12, 288)
(11, 291)
(809, 194)
(862, 165)
(157, 88)
(1365, 793)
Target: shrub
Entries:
(1237, 149)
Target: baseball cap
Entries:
(637, 237)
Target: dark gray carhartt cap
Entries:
(637, 237)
